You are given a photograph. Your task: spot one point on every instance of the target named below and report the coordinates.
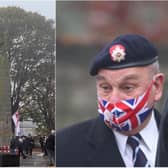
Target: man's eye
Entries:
(128, 88)
(106, 88)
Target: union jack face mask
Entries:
(125, 115)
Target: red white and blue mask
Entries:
(125, 115)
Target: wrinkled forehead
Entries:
(120, 75)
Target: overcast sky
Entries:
(43, 7)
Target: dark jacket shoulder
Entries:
(70, 132)
(74, 143)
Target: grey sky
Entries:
(43, 7)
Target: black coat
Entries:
(50, 142)
(88, 144)
(162, 151)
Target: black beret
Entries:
(125, 51)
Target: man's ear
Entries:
(158, 83)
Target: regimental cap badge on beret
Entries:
(117, 53)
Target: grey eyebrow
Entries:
(130, 77)
(99, 77)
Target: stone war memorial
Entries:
(5, 106)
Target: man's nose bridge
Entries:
(114, 96)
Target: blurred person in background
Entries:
(13, 144)
(30, 144)
(45, 148)
(41, 141)
(125, 134)
(50, 147)
(20, 147)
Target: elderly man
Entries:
(125, 133)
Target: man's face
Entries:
(127, 83)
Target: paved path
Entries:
(36, 160)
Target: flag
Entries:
(16, 121)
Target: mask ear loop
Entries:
(154, 79)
